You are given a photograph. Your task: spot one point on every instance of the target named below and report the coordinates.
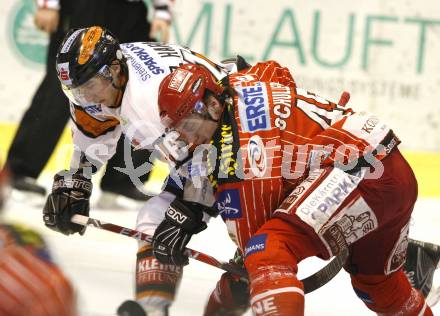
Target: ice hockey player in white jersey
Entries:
(113, 89)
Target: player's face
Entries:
(199, 127)
(196, 129)
(215, 109)
(98, 90)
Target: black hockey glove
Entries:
(182, 220)
(70, 195)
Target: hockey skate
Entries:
(125, 189)
(133, 308)
(120, 197)
(27, 184)
(422, 261)
(130, 308)
(112, 201)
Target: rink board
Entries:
(426, 165)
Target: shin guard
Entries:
(389, 295)
(275, 290)
(156, 283)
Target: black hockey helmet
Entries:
(83, 54)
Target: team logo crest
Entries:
(64, 74)
(228, 203)
(63, 71)
(257, 156)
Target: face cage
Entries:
(172, 147)
(178, 143)
(81, 95)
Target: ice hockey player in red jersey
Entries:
(294, 176)
(30, 283)
(113, 89)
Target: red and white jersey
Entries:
(97, 129)
(281, 130)
(30, 284)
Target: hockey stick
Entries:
(193, 254)
(311, 283)
(323, 276)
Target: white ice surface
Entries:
(101, 264)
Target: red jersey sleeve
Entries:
(330, 133)
(355, 137)
(269, 71)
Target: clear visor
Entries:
(94, 91)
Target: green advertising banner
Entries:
(29, 43)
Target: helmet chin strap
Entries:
(123, 73)
(120, 88)
(223, 102)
